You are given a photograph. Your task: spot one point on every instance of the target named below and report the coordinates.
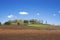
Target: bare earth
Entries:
(27, 33)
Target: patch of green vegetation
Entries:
(7, 23)
(39, 25)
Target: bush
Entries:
(7, 23)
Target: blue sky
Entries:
(28, 9)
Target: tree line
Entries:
(23, 22)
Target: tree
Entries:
(0, 23)
(18, 23)
(7, 23)
(34, 21)
(25, 21)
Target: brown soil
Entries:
(27, 33)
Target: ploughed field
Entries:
(14, 32)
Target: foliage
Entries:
(18, 23)
(0, 23)
(25, 21)
(7, 23)
(34, 21)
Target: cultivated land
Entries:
(15, 32)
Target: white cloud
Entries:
(58, 11)
(10, 16)
(38, 14)
(54, 14)
(23, 13)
